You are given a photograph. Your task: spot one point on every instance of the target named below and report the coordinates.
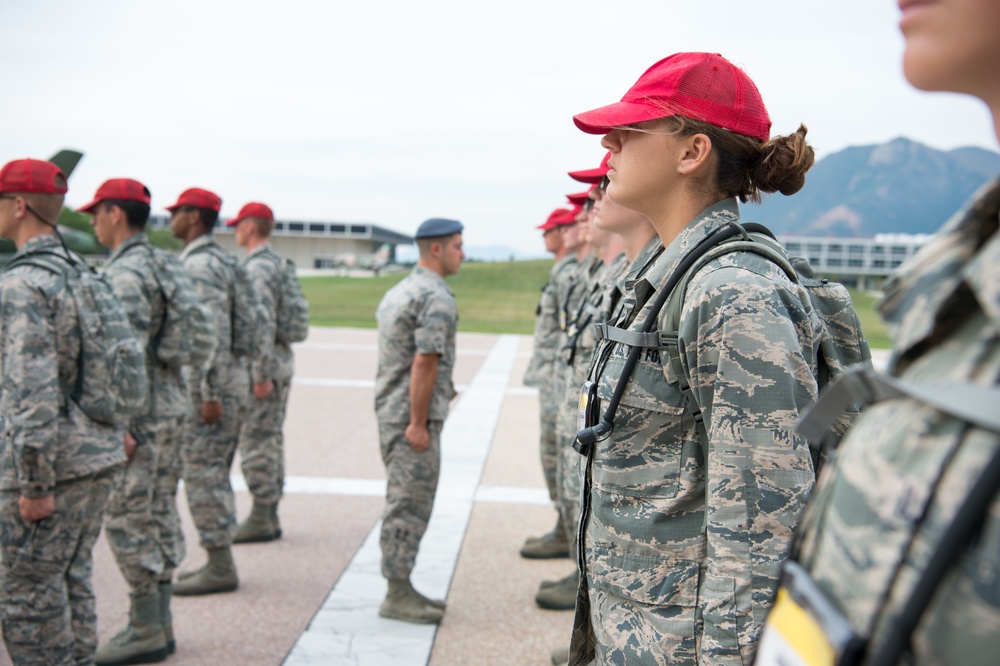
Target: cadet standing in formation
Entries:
(683, 524)
(882, 540)
(220, 391)
(59, 465)
(143, 527)
(262, 451)
(417, 321)
(540, 375)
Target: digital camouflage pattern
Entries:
(48, 613)
(261, 439)
(417, 316)
(143, 527)
(47, 437)
(603, 291)
(681, 547)
(904, 469)
(409, 498)
(208, 450)
(541, 369)
(50, 448)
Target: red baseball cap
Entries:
(29, 176)
(118, 189)
(252, 209)
(592, 175)
(197, 198)
(559, 217)
(702, 86)
(579, 198)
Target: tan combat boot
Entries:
(166, 617)
(561, 595)
(548, 546)
(560, 657)
(218, 575)
(142, 641)
(402, 602)
(261, 525)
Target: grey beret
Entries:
(438, 226)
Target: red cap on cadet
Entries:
(252, 209)
(702, 86)
(592, 175)
(579, 198)
(197, 198)
(118, 189)
(29, 176)
(558, 218)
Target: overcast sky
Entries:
(393, 112)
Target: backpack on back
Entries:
(186, 334)
(842, 342)
(293, 308)
(244, 313)
(112, 384)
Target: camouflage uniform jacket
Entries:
(137, 284)
(546, 342)
(682, 546)
(904, 469)
(417, 316)
(602, 295)
(47, 438)
(275, 360)
(223, 372)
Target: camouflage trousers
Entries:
(548, 449)
(262, 444)
(570, 472)
(142, 525)
(412, 480)
(207, 455)
(48, 611)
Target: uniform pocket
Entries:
(37, 550)
(645, 453)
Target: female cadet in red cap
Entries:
(684, 524)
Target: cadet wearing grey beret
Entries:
(438, 226)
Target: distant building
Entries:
(867, 260)
(316, 244)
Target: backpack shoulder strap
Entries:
(760, 242)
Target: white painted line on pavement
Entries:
(347, 628)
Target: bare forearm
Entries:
(423, 377)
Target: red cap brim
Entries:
(89, 208)
(233, 222)
(606, 118)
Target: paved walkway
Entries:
(312, 597)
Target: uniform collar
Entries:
(259, 249)
(200, 241)
(702, 225)
(38, 243)
(966, 249)
(131, 241)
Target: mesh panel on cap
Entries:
(716, 91)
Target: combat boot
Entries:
(548, 546)
(560, 657)
(274, 519)
(561, 596)
(402, 602)
(261, 525)
(218, 575)
(142, 641)
(166, 617)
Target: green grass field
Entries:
(492, 298)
